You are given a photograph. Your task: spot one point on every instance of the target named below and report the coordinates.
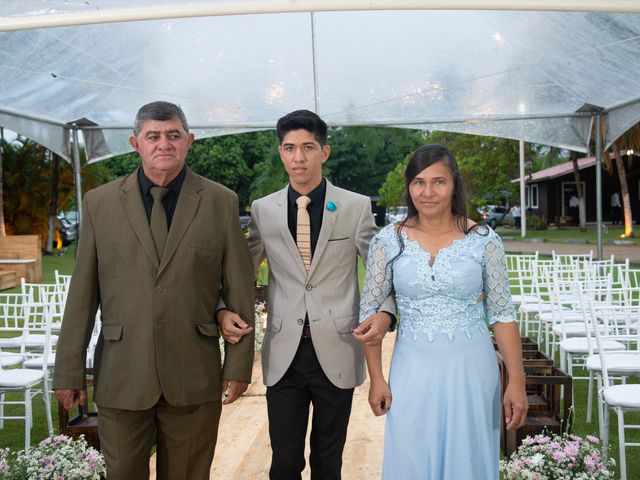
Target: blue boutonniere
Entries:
(331, 206)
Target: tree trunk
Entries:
(576, 175)
(3, 232)
(624, 192)
(53, 205)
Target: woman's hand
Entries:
(515, 405)
(379, 397)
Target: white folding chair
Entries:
(62, 280)
(521, 268)
(23, 380)
(619, 398)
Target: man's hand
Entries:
(379, 397)
(232, 389)
(515, 406)
(373, 329)
(232, 327)
(71, 398)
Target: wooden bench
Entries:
(20, 256)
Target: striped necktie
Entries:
(303, 231)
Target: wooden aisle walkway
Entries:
(243, 451)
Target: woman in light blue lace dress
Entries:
(450, 280)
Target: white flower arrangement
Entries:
(260, 323)
(545, 457)
(56, 457)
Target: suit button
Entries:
(159, 323)
(309, 287)
(158, 289)
(300, 321)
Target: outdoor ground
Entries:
(243, 450)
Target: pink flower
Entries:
(558, 456)
(590, 463)
(571, 450)
(542, 439)
(592, 439)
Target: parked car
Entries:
(68, 231)
(494, 215)
(72, 217)
(396, 214)
(244, 221)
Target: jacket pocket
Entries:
(346, 323)
(274, 323)
(112, 332)
(209, 329)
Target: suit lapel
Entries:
(131, 201)
(185, 211)
(328, 221)
(281, 215)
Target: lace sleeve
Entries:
(378, 279)
(498, 302)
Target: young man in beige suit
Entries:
(158, 248)
(310, 354)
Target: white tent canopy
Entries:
(507, 73)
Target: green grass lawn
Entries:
(12, 435)
(559, 235)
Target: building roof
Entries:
(557, 170)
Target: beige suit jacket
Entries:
(329, 293)
(159, 334)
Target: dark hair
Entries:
(422, 158)
(160, 111)
(302, 120)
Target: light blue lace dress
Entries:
(444, 422)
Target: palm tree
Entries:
(627, 142)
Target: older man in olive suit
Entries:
(158, 250)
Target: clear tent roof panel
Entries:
(512, 74)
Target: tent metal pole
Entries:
(247, 7)
(78, 177)
(523, 200)
(316, 93)
(598, 155)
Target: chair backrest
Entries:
(521, 269)
(11, 314)
(613, 322)
(571, 258)
(63, 280)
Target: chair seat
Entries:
(580, 345)
(573, 329)
(627, 396)
(10, 359)
(623, 362)
(518, 299)
(567, 316)
(36, 362)
(29, 340)
(20, 378)
(535, 307)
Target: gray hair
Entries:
(160, 111)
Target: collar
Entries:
(316, 195)
(174, 185)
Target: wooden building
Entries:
(548, 191)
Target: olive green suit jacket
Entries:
(159, 334)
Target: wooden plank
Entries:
(243, 450)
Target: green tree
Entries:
(230, 160)
(27, 186)
(361, 157)
(487, 166)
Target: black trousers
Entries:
(288, 405)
